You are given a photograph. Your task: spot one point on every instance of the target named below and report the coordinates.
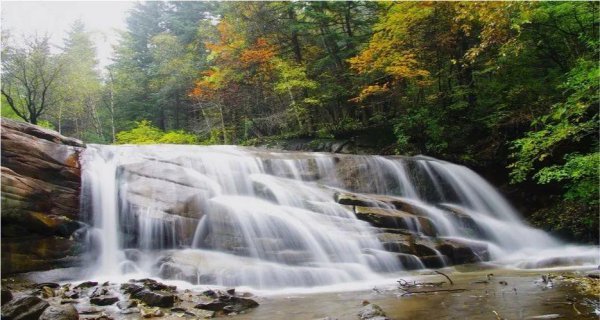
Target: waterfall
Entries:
(227, 215)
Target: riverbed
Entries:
(508, 294)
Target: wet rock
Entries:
(6, 296)
(88, 310)
(228, 304)
(86, 285)
(47, 292)
(434, 261)
(215, 305)
(62, 312)
(351, 199)
(424, 249)
(130, 311)
(131, 288)
(464, 251)
(210, 293)
(395, 242)
(155, 285)
(397, 247)
(155, 298)
(396, 219)
(462, 219)
(71, 295)
(371, 312)
(104, 300)
(409, 261)
(231, 291)
(68, 301)
(126, 304)
(24, 308)
(100, 292)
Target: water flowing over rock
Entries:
(230, 216)
(41, 181)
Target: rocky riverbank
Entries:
(481, 294)
(142, 298)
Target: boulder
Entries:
(131, 288)
(152, 284)
(461, 251)
(371, 312)
(126, 304)
(228, 304)
(434, 261)
(6, 296)
(104, 300)
(389, 218)
(71, 295)
(24, 308)
(41, 182)
(86, 285)
(409, 261)
(161, 299)
(62, 312)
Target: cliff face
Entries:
(41, 182)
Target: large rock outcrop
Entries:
(41, 180)
(404, 228)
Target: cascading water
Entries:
(237, 216)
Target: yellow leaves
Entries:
(371, 90)
(209, 84)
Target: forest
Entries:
(507, 88)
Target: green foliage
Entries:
(178, 137)
(580, 174)
(46, 124)
(142, 133)
(567, 125)
(145, 133)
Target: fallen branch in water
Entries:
(576, 310)
(438, 272)
(405, 284)
(497, 315)
(409, 291)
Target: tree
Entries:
(30, 78)
(80, 86)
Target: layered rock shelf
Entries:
(41, 181)
(404, 228)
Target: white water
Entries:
(232, 216)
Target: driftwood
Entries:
(420, 287)
(438, 272)
(403, 284)
(411, 291)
